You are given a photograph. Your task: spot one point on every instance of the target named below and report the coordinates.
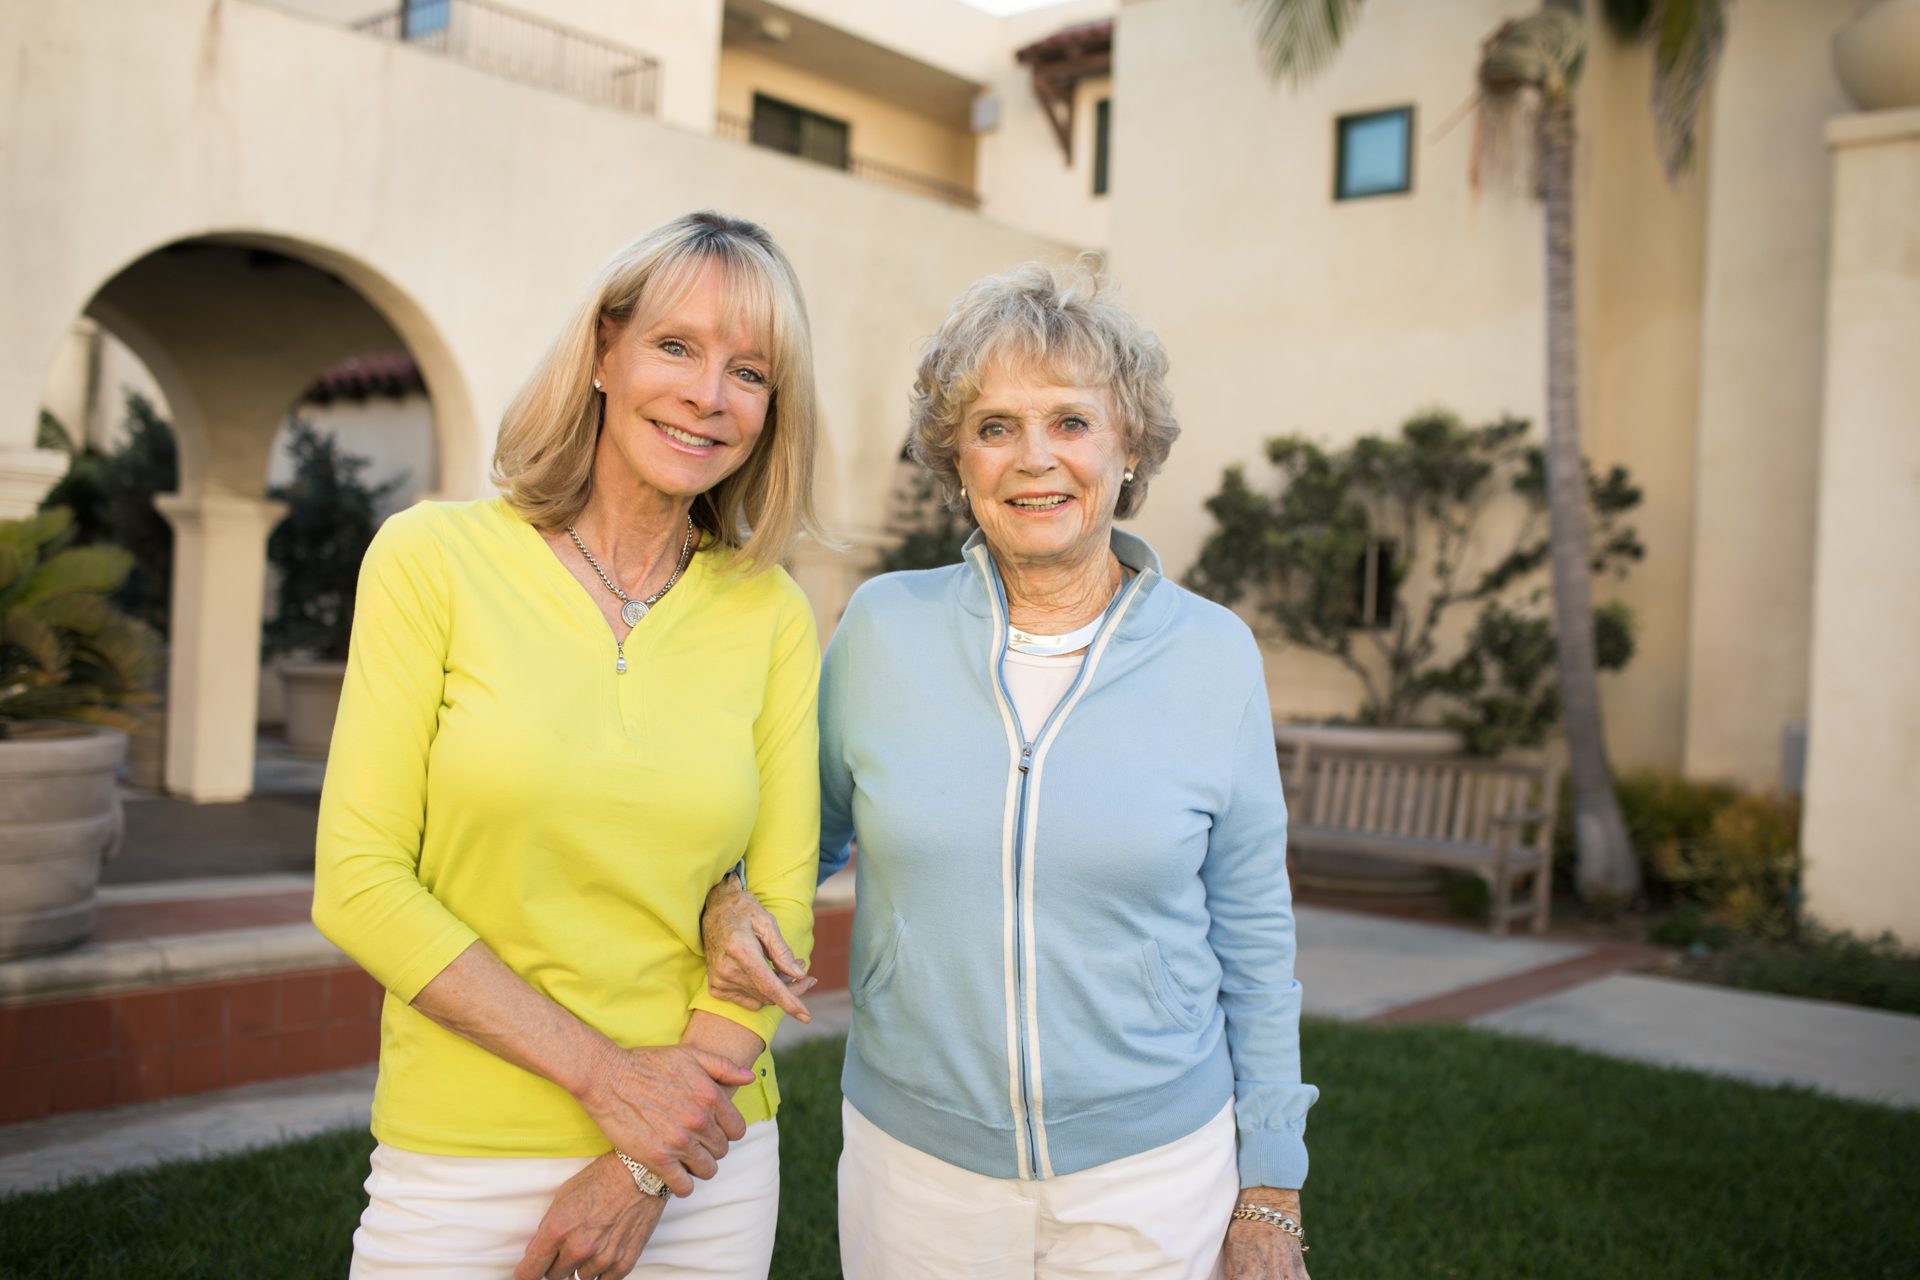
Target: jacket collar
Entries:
(1150, 598)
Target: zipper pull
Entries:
(1026, 756)
(620, 658)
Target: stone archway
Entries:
(233, 327)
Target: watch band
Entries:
(644, 1178)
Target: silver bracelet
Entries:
(1273, 1218)
(644, 1178)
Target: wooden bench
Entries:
(1460, 813)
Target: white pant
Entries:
(1159, 1215)
(455, 1217)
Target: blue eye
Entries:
(992, 428)
(751, 375)
(674, 347)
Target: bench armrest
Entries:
(1522, 817)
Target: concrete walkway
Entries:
(1354, 967)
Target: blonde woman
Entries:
(568, 711)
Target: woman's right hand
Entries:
(667, 1108)
(748, 959)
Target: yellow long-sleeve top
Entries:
(493, 777)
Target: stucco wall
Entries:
(1762, 341)
(1024, 180)
(1637, 245)
(877, 130)
(1861, 838)
(1284, 310)
(472, 230)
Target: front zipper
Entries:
(1022, 996)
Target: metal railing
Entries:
(529, 49)
(740, 129)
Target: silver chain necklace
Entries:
(631, 610)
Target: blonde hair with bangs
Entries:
(548, 436)
(1061, 320)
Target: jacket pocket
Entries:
(1166, 989)
(879, 975)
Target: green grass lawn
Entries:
(1437, 1151)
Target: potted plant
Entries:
(71, 667)
(1375, 553)
(316, 550)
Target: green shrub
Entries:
(925, 533)
(1726, 861)
(1823, 965)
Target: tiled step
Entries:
(192, 986)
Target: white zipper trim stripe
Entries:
(1036, 767)
(1010, 991)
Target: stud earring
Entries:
(597, 386)
(1128, 478)
(963, 493)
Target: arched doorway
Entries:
(234, 329)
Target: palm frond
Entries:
(93, 569)
(1524, 61)
(1688, 37)
(1298, 38)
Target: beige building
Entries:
(320, 178)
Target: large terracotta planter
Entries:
(1877, 56)
(59, 820)
(1350, 872)
(313, 700)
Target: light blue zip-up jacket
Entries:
(1073, 941)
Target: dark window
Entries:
(800, 132)
(1374, 154)
(1102, 117)
(1374, 587)
(423, 17)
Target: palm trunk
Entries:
(1606, 870)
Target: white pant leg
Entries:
(453, 1217)
(905, 1215)
(1159, 1215)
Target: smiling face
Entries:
(687, 392)
(1042, 463)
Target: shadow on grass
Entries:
(1437, 1151)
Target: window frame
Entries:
(1103, 146)
(410, 11)
(1341, 123)
(802, 114)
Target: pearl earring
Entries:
(597, 385)
(963, 493)
(1128, 478)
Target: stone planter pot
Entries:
(313, 700)
(1877, 56)
(1357, 873)
(59, 820)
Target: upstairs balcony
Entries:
(525, 48)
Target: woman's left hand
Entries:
(1257, 1251)
(748, 960)
(595, 1227)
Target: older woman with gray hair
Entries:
(1075, 1043)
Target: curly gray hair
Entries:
(1062, 320)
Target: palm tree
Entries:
(1535, 61)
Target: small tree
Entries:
(1328, 557)
(926, 532)
(111, 497)
(332, 515)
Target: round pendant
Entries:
(632, 611)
